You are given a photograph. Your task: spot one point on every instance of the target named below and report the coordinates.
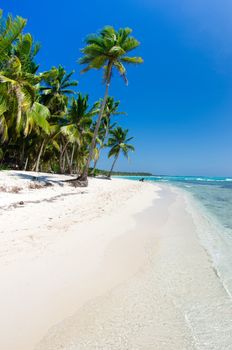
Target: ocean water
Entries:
(215, 193)
(214, 197)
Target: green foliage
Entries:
(10, 29)
(44, 123)
(118, 142)
(117, 173)
(108, 49)
(56, 89)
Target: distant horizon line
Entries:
(162, 175)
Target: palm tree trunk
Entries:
(95, 163)
(84, 175)
(22, 153)
(72, 156)
(99, 151)
(115, 160)
(68, 161)
(39, 156)
(101, 147)
(60, 158)
(63, 164)
(63, 148)
(25, 166)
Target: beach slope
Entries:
(116, 266)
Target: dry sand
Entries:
(116, 266)
(52, 247)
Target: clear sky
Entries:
(179, 102)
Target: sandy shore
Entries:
(116, 266)
(52, 247)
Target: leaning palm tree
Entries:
(107, 50)
(118, 142)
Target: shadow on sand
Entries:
(41, 178)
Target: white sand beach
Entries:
(117, 265)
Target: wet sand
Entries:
(171, 298)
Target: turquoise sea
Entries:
(215, 193)
(214, 197)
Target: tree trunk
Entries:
(60, 159)
(84, 175)
(22, 153)
(72, 156)
(100, 148)
(115, 160)
(25, 166)
(95, 162)
(68, 161)
(39, 156)
(63, 163)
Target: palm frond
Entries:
(3, 128)
(12, 29)
(132, 60)
(37, 116)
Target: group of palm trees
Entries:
(44, 123)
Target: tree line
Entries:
(45, 125)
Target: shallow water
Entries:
(215, 193)
(174, 301)
(214, 196)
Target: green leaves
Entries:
(10, 29)
(55, 92)
(79, 120)
(37, 117)
(42, 116)
(118, 142)
(132, 60)
(26, 50)
(116, 51)
(107, 50)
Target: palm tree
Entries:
(55, 96)
(18, 94)
(111, 109)
(26, 49)
(19, 84)
(20, 111)
(37, 122)
(107, 50)
(57, 89)
(118, 142)
(10, 29)
(77, 128)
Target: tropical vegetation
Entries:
(118, 142)
(45, 123)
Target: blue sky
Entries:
(179, 102)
